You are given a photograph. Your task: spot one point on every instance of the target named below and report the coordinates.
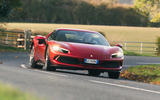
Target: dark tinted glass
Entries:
(80, 37)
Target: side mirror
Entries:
(119, 45)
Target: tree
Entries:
(156, 18)
(7, 5)
(148, 8)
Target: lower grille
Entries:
(76, 61)
(68, 60)
(108, 64)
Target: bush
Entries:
(76, 12)
(156, 24)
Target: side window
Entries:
(52, 36)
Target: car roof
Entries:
(70, 29)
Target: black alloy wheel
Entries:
(32, 62)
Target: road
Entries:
(75, 85)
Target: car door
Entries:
(41, 49)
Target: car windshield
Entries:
(79, 37)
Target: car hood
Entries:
(88, 50)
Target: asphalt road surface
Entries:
(75, 85)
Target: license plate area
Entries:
(91, 61)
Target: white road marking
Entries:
(36, 70)
(23, 66)
(94, 81)
(124, 86)
(143, 63)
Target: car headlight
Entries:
(118, 54)
(59, 49)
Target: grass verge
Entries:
(10, 49)
(129, 53)
(143, 73)
(118, 33)
(9, 93)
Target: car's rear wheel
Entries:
(33, 63)
(94, 72)
(114, 75)
(47, 65)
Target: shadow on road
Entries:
(81, 73)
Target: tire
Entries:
(47, 66)
(114, 75)
(33, 63)
(93, 73)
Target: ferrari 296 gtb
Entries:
(76, 49)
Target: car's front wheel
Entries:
(32, 62)
(114, 75)
(94, 72)
(47, 65)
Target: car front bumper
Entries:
(70, 62)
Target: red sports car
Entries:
(76, 49)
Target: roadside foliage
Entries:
(150, 9)
(105, 12)
(7, 92)
(143, 73)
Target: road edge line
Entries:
(128, 87)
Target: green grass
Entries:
(143, 73)
(9, 93)
(129, 53)
(113, 33)
(146, 70)
(10, 49)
